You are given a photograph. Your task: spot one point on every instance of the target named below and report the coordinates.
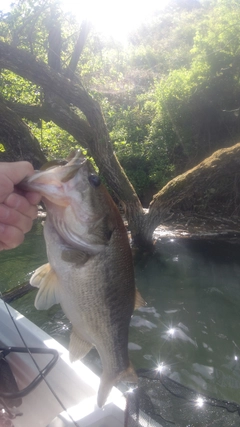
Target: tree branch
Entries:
(17, 138)
(25, 65)
(83, 33)
(55, 41)
(58, 112)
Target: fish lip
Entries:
(77, 156)
(52, 180)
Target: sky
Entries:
(115, 18)
(109, 17)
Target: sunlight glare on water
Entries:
(190, 328)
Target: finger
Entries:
(10, 237)
(12, 217)
(22, 205)
(33, 197)
(16, 171)
(6, 186)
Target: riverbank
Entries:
(193, 226)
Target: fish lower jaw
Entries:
(50, 198)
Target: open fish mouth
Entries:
(56, 180)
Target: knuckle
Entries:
(17, 202)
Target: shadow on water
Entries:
(190, 326)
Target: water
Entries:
(190, 327)
(191, 324)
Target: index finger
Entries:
(16, 171)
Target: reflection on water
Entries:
(190, 327)
(193, 295)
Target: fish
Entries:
(90, 269)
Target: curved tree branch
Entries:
(17, 139)
(100, 147)
(58, 112)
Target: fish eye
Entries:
(94, 180)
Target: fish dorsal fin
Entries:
(46, 280)
(139, 301)
(78, 347)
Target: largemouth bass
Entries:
(90, 270)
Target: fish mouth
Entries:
(55, 182)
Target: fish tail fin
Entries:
(106, 383)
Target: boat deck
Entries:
(75, 385)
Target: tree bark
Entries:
(55, 42)
(210, 189)
(83, 33)
(197, 188)
(96, 136)
(17, 139)
(58, 112)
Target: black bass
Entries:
(90, 270)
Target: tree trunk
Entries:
(209, 190)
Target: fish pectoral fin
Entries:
(139, 301)
(107, 382)
(46, 280)
(75, 256)
(40, 275)
(78, 347)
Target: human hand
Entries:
(17, 208)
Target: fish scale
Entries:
(90, 270)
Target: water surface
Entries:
(190, 326)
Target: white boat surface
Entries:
(68, 397)
(74, 384)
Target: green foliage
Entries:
(15, 88)
(30, 22)
(27, 26)
(142, 154)
(197, 100)
(55, 142)
(170, 97)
